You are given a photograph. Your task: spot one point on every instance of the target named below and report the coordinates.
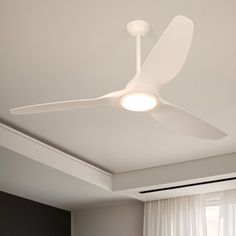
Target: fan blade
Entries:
(168, 55)
(106, 100)
(180, 120)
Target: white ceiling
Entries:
(29, 179)
(59, 50)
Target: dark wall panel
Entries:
(22, 217)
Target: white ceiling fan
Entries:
(142, 92)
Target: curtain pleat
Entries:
(183, 216)
(228, 213)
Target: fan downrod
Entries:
(138, 29)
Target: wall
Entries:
(125, 220)
(22, 217)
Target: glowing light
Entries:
(138, 101)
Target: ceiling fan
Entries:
(142, 93)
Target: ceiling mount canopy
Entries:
(142, 92)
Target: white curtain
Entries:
(228, 213)
(183, 216)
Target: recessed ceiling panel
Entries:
(61, 50)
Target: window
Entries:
(212, 219)
(213, 214)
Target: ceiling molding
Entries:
(185, 191)
(224, 166)
(130, 183)
(45, 154)
(184, 173)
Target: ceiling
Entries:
(29, 179)
(61, 50)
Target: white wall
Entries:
(122, 220)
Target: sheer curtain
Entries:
(183, 216)
(228, 213)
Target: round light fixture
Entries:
(138, 101)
